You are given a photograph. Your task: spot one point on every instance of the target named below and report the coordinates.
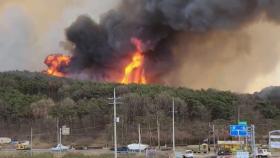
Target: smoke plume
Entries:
(224, 44)
(193, 40)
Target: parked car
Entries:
(224, 154)
(80, 147)
(5, 140)
(23, 145)
(263, 153)
(60, 147)
(121, 149)
(188, 154)
(137, 147)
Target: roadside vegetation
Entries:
(48, 155)
(38, 101)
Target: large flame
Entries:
(134, 71)
(55, 62)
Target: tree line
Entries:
(34, 99)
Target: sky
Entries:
(32, 29)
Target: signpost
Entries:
(242, 123)
(241, 131)
(65, 131)
(238, 130)
(242, 154)
(274, 139)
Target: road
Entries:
(104, 151)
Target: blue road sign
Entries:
(233, 133)
(238, 130)
(242, 123)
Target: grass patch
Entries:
(25, 155)
(70, 155)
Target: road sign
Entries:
(274, 139)
(117, 119)
(238, 127)
(242, 123)
(242, 154)
(65, 131)
(238, 130)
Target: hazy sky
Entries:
(32, 29)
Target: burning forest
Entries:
(134, 42)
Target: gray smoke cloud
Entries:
(194, 43)
(101, 47)
(32, 29)
(16, 30)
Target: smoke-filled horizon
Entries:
(223, 44)
(32, 29)
(174, 32)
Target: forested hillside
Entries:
(38, 101)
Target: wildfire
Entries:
(55, 62)
(134, 71)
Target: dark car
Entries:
(224, 154)
(121, 149)
(80, 147)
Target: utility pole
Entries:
(60, 137)
(150, 134)
(238, 114)
(60, 140)
(211, 133)
(214, 137)
(57, 130)
(158, 132)
(139, 134)
(218, 135)
(238, 120)
(253, 141)
(115, 123)
(31, 142)
(173, 125)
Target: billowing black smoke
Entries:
(101, 47)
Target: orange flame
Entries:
(55, 62)
(134, 71)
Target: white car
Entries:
(137, 147)
(188, 154)
(263, 153)
(60, 147)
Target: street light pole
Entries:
(60, 141)
(139, 134)
(31, 141)
(253, 140)
(115, 124)
(173, 124)
(57, 130)
(214, 137)
(158, 132)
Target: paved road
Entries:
(106, 151)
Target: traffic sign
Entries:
(65, 131)
(242, 154)
(238, 130)
(274, 139)
(242, 123)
